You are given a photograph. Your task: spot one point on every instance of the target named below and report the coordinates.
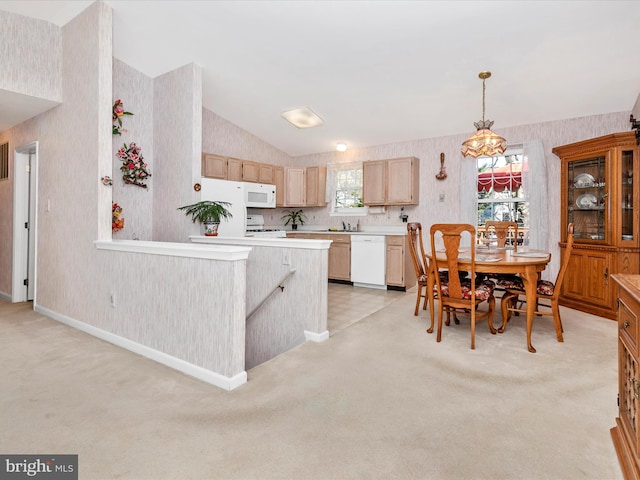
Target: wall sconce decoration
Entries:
(133, 168)
(442, 174)
(117, 223)
(118, 111)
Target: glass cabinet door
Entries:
(627, 199)
(586, 199)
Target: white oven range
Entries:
(255, 228)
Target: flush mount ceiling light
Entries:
(484, 141)
(302, 118)
(341, 147)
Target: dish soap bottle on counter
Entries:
(358, 226)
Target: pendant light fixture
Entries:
(484, 141)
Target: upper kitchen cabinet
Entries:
(278, 176)
(234, 169)
(214, 166)
(315, 194)
(391, 182)
(295, 180)
(266, 174)
(250, 171)
(598, 197)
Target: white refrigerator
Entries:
(227, 191)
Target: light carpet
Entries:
(380, 399)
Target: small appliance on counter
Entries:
(255, 228)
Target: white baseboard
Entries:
(316, 337)
(5, 296)
(208, 376)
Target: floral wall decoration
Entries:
(134, 169)
(117, 223)
(118, 112)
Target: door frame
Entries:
(25, 200)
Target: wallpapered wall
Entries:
(73, 159)
(177, 133)
(35, 50)
(222, 137)
(32, 65)
(136, 92)
(74, 279)
(430, 210)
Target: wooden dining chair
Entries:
(501, 231)
(458, 294)
(421, 267)
(545, 290)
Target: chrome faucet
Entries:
(344, 226)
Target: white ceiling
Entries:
(380, 71)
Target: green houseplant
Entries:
(293, 217)
(209, 213)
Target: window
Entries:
(501, 194)
(4, 160)
(344, 181)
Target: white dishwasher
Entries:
(368, 264)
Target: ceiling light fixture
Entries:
(341, 147)
(484, 141)
(302, 118)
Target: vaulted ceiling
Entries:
(381, 71)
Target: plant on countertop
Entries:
(209, 213)
(294, 217)
(117, 223)
(118, 111)
(133, 167)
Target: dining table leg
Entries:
(530, 280)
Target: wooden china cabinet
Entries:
(599, 195)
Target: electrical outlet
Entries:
(285, 258)
(441, 197)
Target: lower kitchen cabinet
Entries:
(400, 271)
(626, 433)
(340, 257)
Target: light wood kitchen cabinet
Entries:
(294, 187)
(234, 169)
(250, 171)
(214, 166)
(278, 175)
(340, 257)
(391, 182)
(266, 173)
(599, 197)
(316, 187)
(399, 270)
(626, 433)
(374, 182)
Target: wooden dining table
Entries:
(527, 263)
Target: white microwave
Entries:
(259, 195)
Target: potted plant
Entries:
(208, 213)
(293, 217)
